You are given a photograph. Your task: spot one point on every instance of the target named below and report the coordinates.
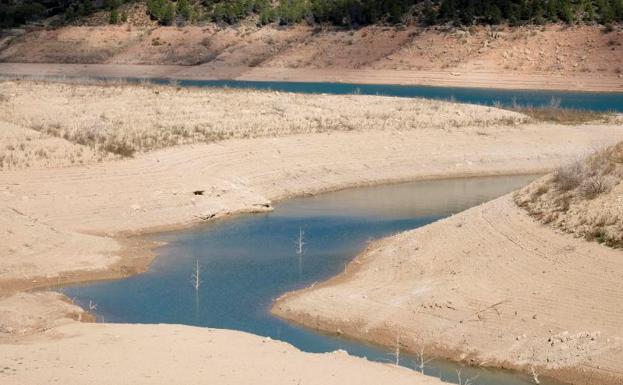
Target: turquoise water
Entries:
(248, 261)
(596, 101)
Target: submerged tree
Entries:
(196, 278)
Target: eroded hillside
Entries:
(556, 49)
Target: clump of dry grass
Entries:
(78, 80)
(593, 176)
(564, 115)
(125, 119)
(569, 177)
(582, 197)
(21, 147)
(553, 113)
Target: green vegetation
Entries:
(353, 13)
(348, 13)
(162, 10)
(14, 13)
(114, 16)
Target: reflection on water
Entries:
(248, 261)
(433, 198)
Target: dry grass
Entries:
(125, 119)
(564, 115)
(553, 113)
(582, 198)
(24, 148)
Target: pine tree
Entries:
(168, 14)
(114, 16)
(184, 9)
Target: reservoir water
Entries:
(248, 261)
(595, 101)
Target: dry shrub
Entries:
(121, 148)
(598, 235)
(581, 198)
(562, 202)
(593, 176)
(538, 192)
(568, 177)
(615, 153)
(603, 236)
(593, 186)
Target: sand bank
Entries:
(489, 286)
(69, 352)
(456, 78)
(134, 354)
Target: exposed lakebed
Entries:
(248, 261)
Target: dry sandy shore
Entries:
(489, 286)
(456, 78)
(83, 353)
(69, 224)
(175, 354)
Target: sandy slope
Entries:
(554, 56)
(489, 286)
(84, 353)
(174, 354)
(24, 314)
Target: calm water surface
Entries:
(595, 101)
(250, 260)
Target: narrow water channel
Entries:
(594, 101)
(591, 101)
(248, 261)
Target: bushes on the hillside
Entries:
(13, 13)
(361, 12)
(161, 10)
(350, 13)
(232, 11)
(114, 16)
(76, 9)
(463, 12)
(467, 12)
